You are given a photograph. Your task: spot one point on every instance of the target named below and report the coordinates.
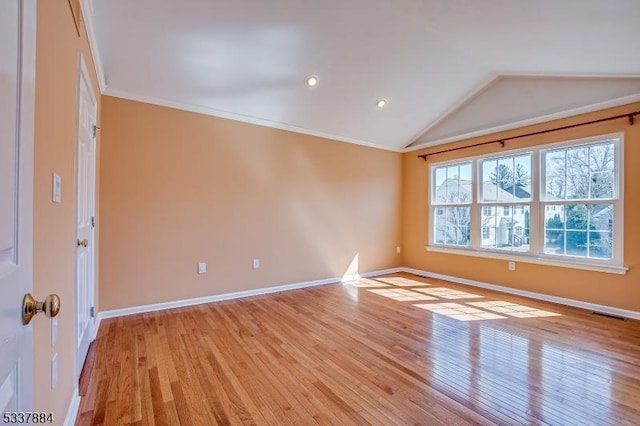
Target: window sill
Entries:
(619, 270)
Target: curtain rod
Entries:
(630, 116)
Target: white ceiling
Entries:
(440, 63)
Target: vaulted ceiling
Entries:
(447, 68)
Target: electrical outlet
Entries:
(256, 263)
(512, 266)
(54, 370)
(398, 250)
(202, 268)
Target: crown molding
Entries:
(242, 118)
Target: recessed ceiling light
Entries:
(381, 103)
(311, 81)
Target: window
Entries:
(486, 233)
(573, 211)
(452, 196)
(580, 200)
(506, 184)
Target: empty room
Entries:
(379, 212)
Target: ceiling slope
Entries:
(247, 60)
(515, 101)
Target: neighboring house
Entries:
(503, 222)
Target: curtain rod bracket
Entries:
(423, 156)
(501, 143)
(632, 119)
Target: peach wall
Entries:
(57, 65)
(180, 188)
(606, 289)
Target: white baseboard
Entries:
(260, 291)
(533, 295)
(228, 296)
(72, 411)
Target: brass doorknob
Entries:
(31, 307)
(83, 243)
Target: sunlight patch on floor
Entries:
(447, 293)
(513, 309)
(401, 281)
(402, 295)
(458, 311)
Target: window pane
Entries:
(452, 228)
(489, 185)
(507, 228)
(507, 179)
(600, 244)
(555, 182)
(601, 227)
(503, 177)
(576, 243)
(579, 230)
(602, 185)
(576, 218)
(602, 158)
(522, 178)
(581, 173)
(577, 186)
(465, 183)
(440, 176)
(578, 161)
(601, 217)
(452, 184)
(554, 229)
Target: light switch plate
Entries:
(54, 371)
(54, 330)
(57, 188)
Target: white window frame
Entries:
(536, 254)
(507, 207)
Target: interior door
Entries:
(85, 216)
(17, 67)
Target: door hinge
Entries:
(94, 131)
(93, 221)
(92, 312)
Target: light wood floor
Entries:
(378, 352)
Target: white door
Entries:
(17, 69)
(85, 216)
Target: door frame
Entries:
(83, 74)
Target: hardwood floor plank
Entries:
(341, 355)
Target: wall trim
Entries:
(86, 8)
(229, 296)
(530, 294)
(574, 112)
(183, 106)
(275, 289)
(525, 258)
(72, 411)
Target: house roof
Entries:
(490, 191)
